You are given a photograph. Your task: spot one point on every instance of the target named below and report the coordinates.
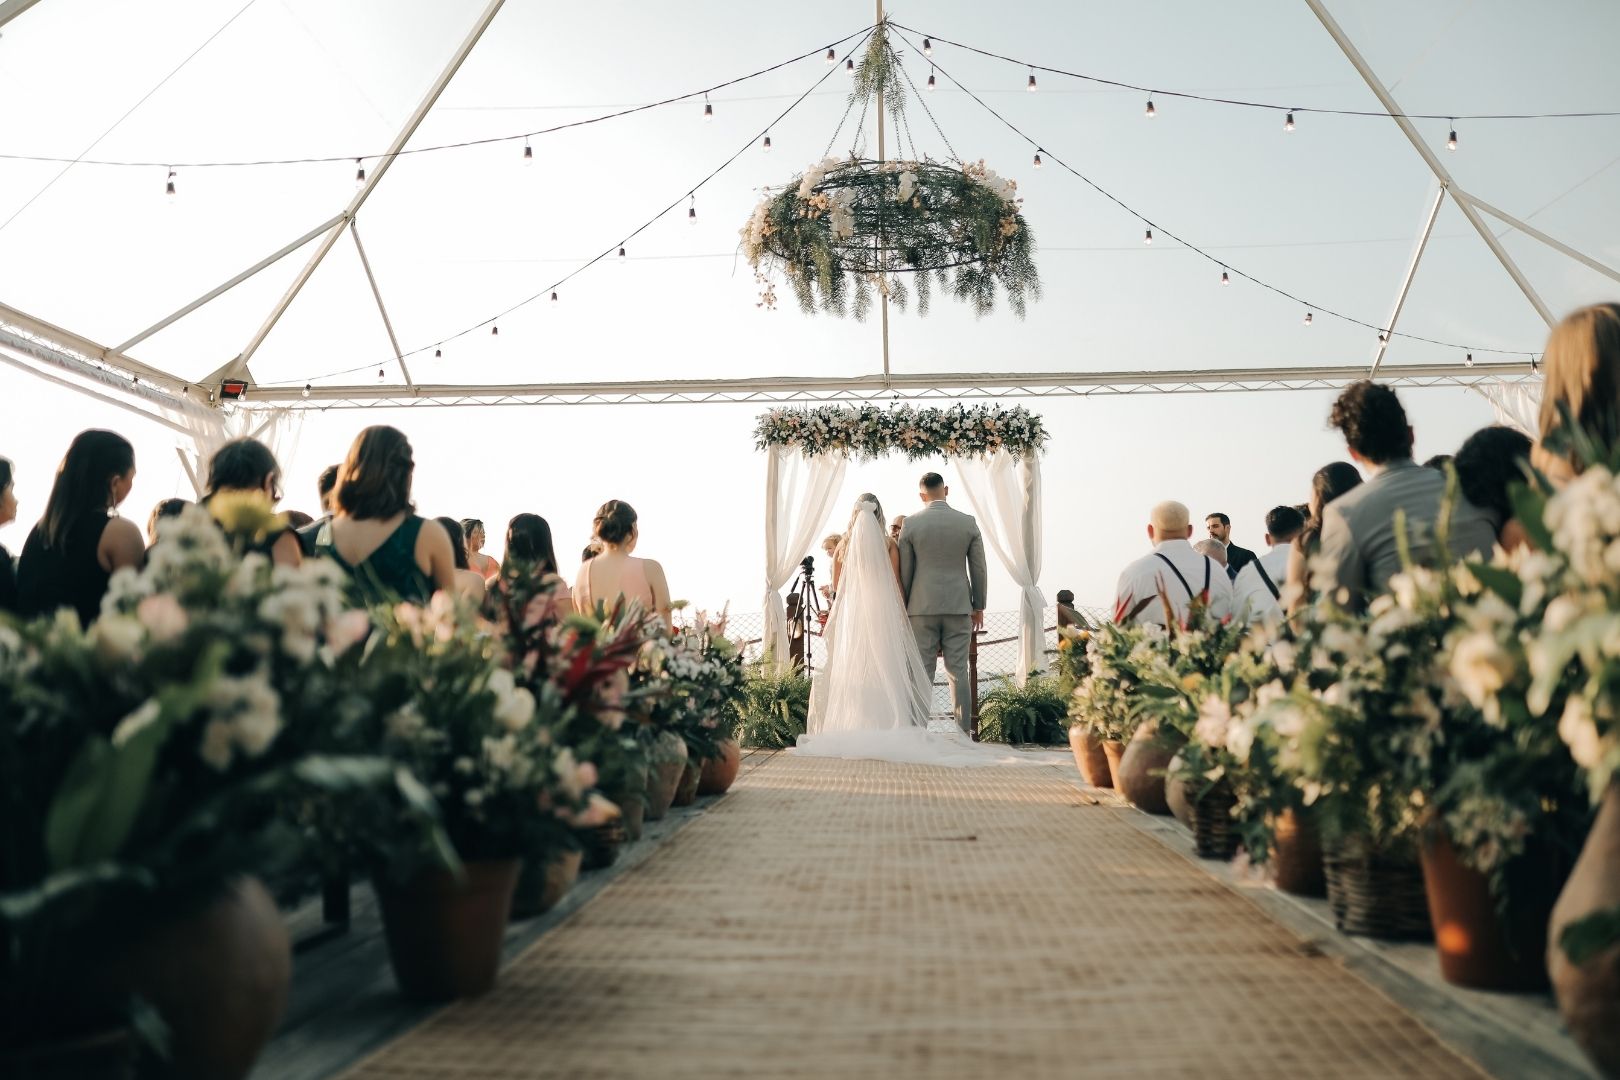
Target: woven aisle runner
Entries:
(858, 919)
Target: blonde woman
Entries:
(1581, 374)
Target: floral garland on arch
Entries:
(868, 431)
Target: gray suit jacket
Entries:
(1360, 552)
(937, 544)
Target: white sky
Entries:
(1328, 212)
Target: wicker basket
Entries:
(1377, 896)
(1214, 830)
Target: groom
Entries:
(942, 576)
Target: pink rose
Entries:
(162, 616)
(348, 630)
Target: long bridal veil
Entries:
(871, 696)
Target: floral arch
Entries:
(994, 452)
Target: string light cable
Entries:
(1153, 227)
(687, 197)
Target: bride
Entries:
(871, 697)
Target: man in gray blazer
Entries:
(943, 577)
(1360, 543)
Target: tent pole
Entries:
(67, 339)
(1387, 100)
(1438, 197)
(13, 8)
(399, 358)
(1530, 230)
(883, 294)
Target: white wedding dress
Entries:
(871, 697)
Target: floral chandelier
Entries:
(849, 230)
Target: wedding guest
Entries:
(830, 547)
(1066, 613)
(473, 530)
(1220, 530)
(895, 526)
(71, 554)
(247, 467)
(616, 572)
(390, 552)
(1329, 482)
(529, 546)
(1258, 589)
(166, 508)
(469, 583)
(8, 514)
(1489, 463)
(1174, 568)
(307, 532)
(1360, 541)
(1580, 376)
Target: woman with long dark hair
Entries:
(1330, 482)
(469, 582)
(74, 550)
(616, 572)
(8, 514)
(390, 552)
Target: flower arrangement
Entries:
(705, 674)
(868, 431)
(1104, 700)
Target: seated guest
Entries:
(246, 466)
(1220, 530)
(8, 514)
(1066, 613)
(390, 552)
(1491, 461)
(528, 543)
(469, 583)
(1258, 590)
(1580, 376)
(1360, 543)
(473, 530)
(325, 485)
(166, 508)
(1328, 484)
(1174, 568)
(71, 554)
(616, 573)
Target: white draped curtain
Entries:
(1005, 493)
(799, 494)
(277, 428)
(1517, 404)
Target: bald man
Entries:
(1174, 567)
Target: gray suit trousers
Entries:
(951, 634)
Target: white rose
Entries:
(1481, 667)
(118, 638)
(1213, 720)
(1240, 739)
(1580, 733)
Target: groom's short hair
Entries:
(932, 481)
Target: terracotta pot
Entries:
(104, 1055)
(686, 793)
(1296, 854)
(1089, 757)
(544, 882)
(1176, 796)
(1113, 754)
(444, 933)
(218, 975)
(1589, 994)
(1140, 776)
(601, 845)
(664, 774)
(1477, 947)
(721, 772)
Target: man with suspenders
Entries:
(1175, 567)
(1257, 591)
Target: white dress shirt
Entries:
(1251, 600)
(1141, 580)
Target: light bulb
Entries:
(553, 298)
(438, 354)
(1535, 363)
(306, 389)
(168, 188)
(494, 331)
(1038, 159)
(1288, 124)
(379, 373)
(1451, 142)
(1148, 237)
(708, 109)
(1151, 111)
(1031, 86)
(766, 145)
(1469, 360)
(928, 47)
(1307, 318)
(1382, 337)
(528, 153)
(621, 253)
(832, 58)
(930, 80)
(1225, 280)
(359, 174)
(849, 65)
(691, 215)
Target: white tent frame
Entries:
(916, 387)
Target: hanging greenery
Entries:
(848, 231)
(869, 431)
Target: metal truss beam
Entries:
(955, 386)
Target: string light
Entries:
(1288, 124)
(168, 188)
(438, 354)
(553, 298)
(528, 153)
(708, 109)
(1382, 337)
(359, 173)
(691, 211)
(380, 373)
(849, 65)
(1225, 280)
(1031, 86)
(832, 57)
(1535, 363)
(1038, 161)
(766, 145)
(1148, 238)
(928, 47)
(1307, 318)
(1469, 360)
(930, 79)
(306, 389)
(1451, 141)
(1151, 111)
(494, 331)
(621, 253)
